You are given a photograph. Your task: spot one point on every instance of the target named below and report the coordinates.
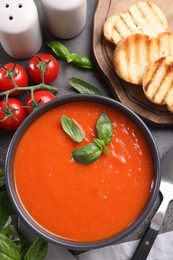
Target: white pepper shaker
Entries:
(20, 32)
(65, 19)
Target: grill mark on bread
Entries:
(133, 19)
(125, 23)
(149, 83)
(118, 31)
(141, 11)
(168, 71)
(115, 28)
(148, 49)
(136, 43)
(128, 55)
(155, 13)
(159, 87)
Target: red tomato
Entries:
(46, 63)
(16, 71)
(40, 97)
(15, 111)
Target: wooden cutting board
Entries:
(128, 94)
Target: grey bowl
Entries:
(10, 180)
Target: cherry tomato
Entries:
(40, 98)
(19, 75)
(45, 63)
(15, 113)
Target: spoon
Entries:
(166, 189)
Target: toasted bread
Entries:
(134, 53)
(158, 82)
(141, 17)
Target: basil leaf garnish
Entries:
(101, 144)
(8, 249)
(87, 154)
(2, 177)
(38, 250)
(72, 129)
(81, 61)
(83, 86)
(104, 128)
(62, 52)
(91, 152)
(59, 49)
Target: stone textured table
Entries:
(82, 45)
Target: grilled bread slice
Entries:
(134, 53)
(141, 17)
(158, 82)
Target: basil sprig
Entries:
(72, 129)
(91, 152)
(87, 154)
(8, 249)
(37, 250)
(63, 52)
(104, 128)
(83, 86)
(13, 244)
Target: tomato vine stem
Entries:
(28, 88)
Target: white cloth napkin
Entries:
(58, 253)
(162, 250)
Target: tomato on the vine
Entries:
(11, 114)
(40, 98)
(43, 63)
(15, 71)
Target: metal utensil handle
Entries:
(145, 245)
(150, 235)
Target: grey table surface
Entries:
(82, 44)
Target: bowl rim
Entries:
(73, 98)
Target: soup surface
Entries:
(75, 201)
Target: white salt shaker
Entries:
(65, 19)
(20, 32)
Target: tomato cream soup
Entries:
(82, 202)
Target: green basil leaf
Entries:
(101, 144)
(38, 250)
(81, 61)
(59, 49)
(2, 177)
(71, 128)
(13, 235)
(87, 154)
(8, 249)
(83, 87)
(62, 52)
(10, 231)
(104, 128)
(5, 229)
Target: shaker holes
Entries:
(7, 5)
(10, 17)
